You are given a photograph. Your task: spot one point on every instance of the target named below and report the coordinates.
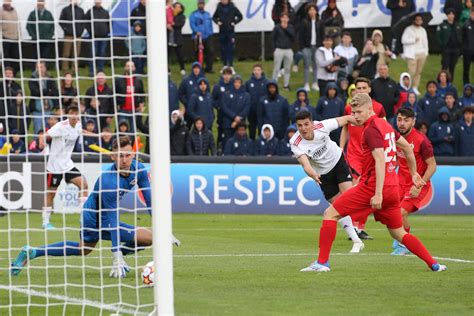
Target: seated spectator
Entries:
(37, 145)
(411, 101)
(423, 127)
(348, 51)
(284, 148)
(441, 134)
(189, 86)
(68, 91)
(89, 139)
(200, 141)
(326, 62)
(465, 134)
(235, 108)
(283, 38)
(107, 139)
(330, 106)
(18, 145)
(273, 110)
(136, 45)
(444, 85)
(467, 98)
(333, 22)
(266, 144)
(124, 130)
(178, 134)
(385, 91)
(14, 103)
(404, 87)
(367, 64)
(385, 54)
(239, 144)
(427, 107)
(342, 88)
(104, 93)
(256, 86)
(455, 112)
(92, 114)
(200, 104)
(301, 103)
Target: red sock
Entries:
(362, 223)
(407, 229)
(327, 234)
(416, 247)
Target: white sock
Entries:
(346, 224)
(47, 210)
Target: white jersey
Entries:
(322, 152)
(64, 138)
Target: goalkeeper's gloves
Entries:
(119, 268)
(175, 241)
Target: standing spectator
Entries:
(136, 45)
(348, 51)
(98, 26)
(282, 7)
(189, 86)
(467, 99)
(256, 86)
(384, 52)
(404, 86)
(399, 9)
(411, 101)
(201, 105)
(40, 27)
(105, 95)
(68, 91)
(200, 140)
(170, 22)
(367, 64)
(351, 92)
(235, 108)
(10, 35)
(301, 103)
(266, 144)
(178, 134)
(465, 12)
(3, 139)
(441, 134)
(464, 134)
(273, 109)
(444, 85)
(227, 16)
(455, 112)
(449, 35)
(139, 14)
(179, 21)
(385, 91)
(454, 5)
(325, 59)
(72, 21)
(333, 22)
(330, 106)
(343, 88)
(283, 38)
(309, 38)
(427, 108)
(284, 148)
(468, 47)
(15, 109)
(225, 84)
(201, 25)
(239, 144)
(173, 96)
(415, 49)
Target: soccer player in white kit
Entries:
(324, 162)
(64, 135)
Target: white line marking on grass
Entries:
(68, 299)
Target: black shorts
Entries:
(339, 174)
(54, 179)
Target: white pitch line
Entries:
(67, 299)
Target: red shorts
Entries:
(356, 203)
(411, 204)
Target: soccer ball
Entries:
(148, 274)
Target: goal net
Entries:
(74, 78)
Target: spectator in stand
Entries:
(342, 88)
(89, 138)
(301, 103)
(107, 139)
(43, 96)
(283, 38)
(130, 96)
(136, 45)
(423, 127)
(404, 86)
(173, 96)
(37, 145)
(10, 35)
(399, 9)
(200, 140)
(15, 110)
(351, 92)
(333, 22)
(224, 85)
(235, 108)
(455, 112)
(179, 21)
(3, 139)
(98, 26)
(445, 85)
(348, 51)
(201, 25)
(178, 134)
(105, 96)
(449, 35)
(284, 148)
(201, 105)
(40, 27)
(411, 101)
(72, 22)
(464, 134)
(467, 99)
(441, 134)
(68, 91)
(325, 60)
(282, 7)
(189, 86)
(385, 54)
(427, 108)
(18, 145)
(385, 91)
(465, 12)
(92, 114)
(227, 16)
(330, 106)
(139, 14)
(256, 86)
(367, 65)
(415, 49)
(273, 110)
(309, 38)
(239, 144)
(455, 5)
(468, 46)
(170, 22)
(266, 144)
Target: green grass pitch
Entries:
(249, 265)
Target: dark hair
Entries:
(363, 79)
(328, 37)
(239, 125)
(63, 81)
(284, 14)
(468, 109)
(346, 33)
(446, 72)
(431, 82)
(121, 142)
(257, 65)
(10, 68)
(303, 115)
(72, 108)
(407, 112)
(227, 70)
(418, 15)
(419, 124)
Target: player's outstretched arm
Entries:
(379, 157)
(303, 160)
(343, 138)
(344, 120)
(411, 161)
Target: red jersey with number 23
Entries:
(378, 133)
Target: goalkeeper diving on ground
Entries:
(100, 218)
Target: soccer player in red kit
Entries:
(354, 149)
(411, 195)
(378, 189)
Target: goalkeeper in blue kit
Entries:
(100, 216)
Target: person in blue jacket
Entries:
(330, 106)
(301, 102)
(201, 26)
(441, 134)
(256, 86)
(225, 84)
(273, 109)
(239, 144)
(467, 98)
(200, 104)
(427, 107)
(444, 85)
(235, 108)
(464, 134)
(267, 144)
(284, 149)
(189, 86)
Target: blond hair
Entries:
(361, 99)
